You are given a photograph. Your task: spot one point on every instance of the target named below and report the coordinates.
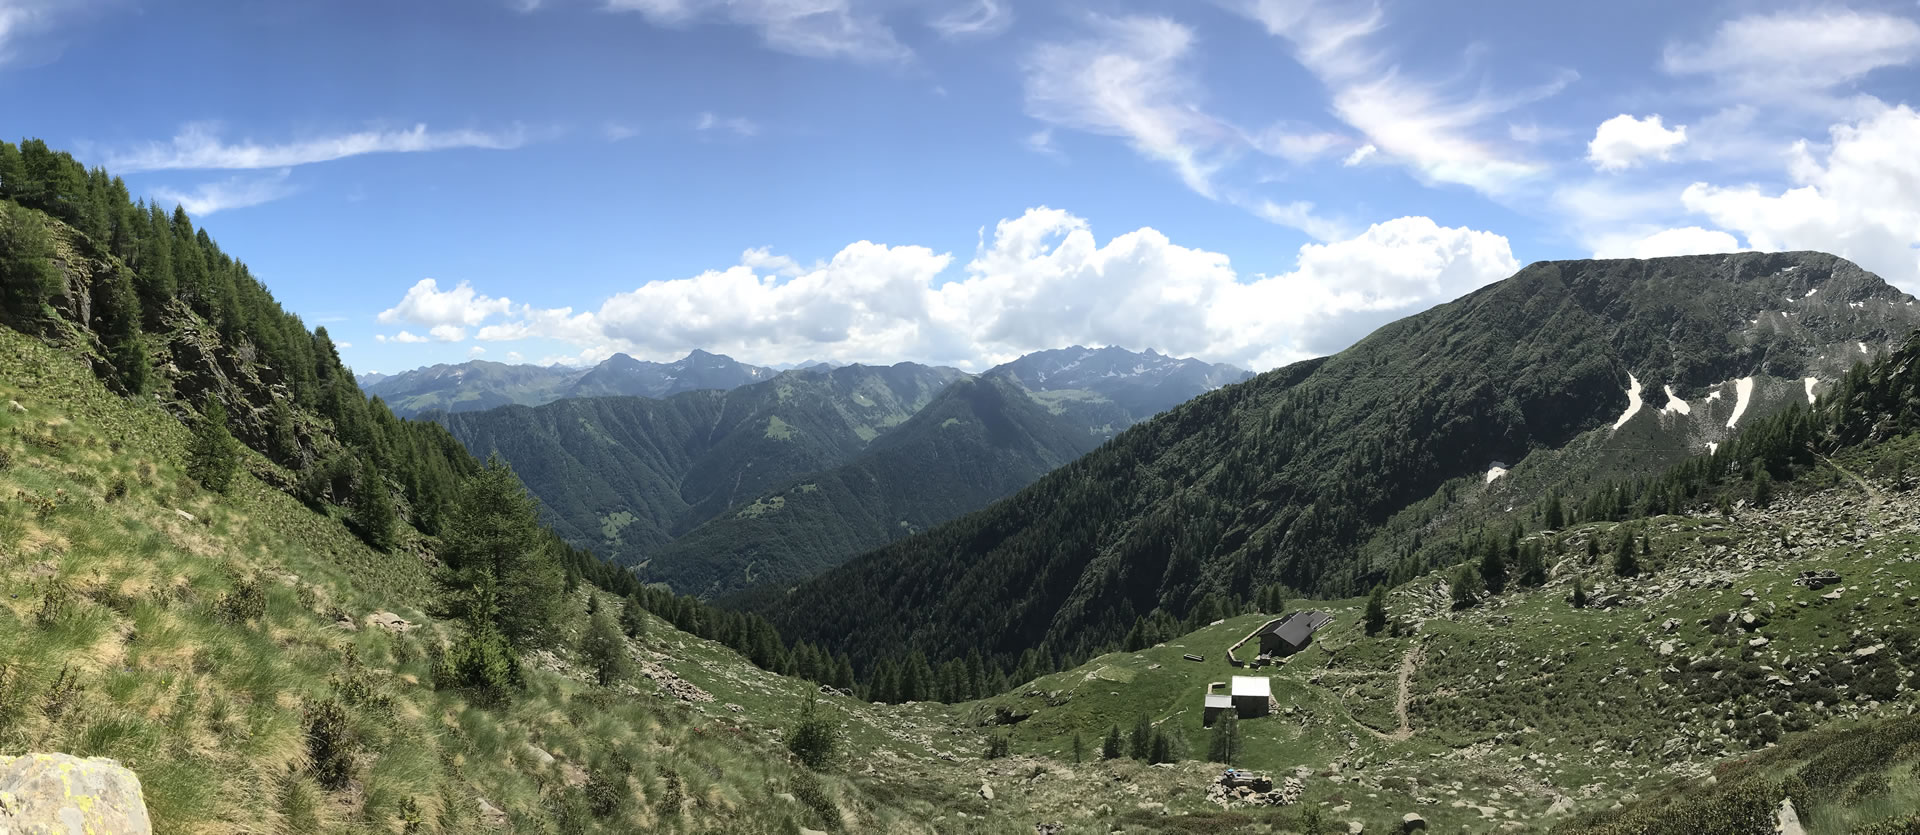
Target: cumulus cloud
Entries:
(810, 28)
(403, 337)
(1042, 280)
(1858, 197)
(1128, 77)
(1623, 142)
(199, 146)
(1686, 240)
(1796, 55)
(234, 193)
(427, 305)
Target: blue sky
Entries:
(963, 181)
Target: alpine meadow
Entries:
(959, 417)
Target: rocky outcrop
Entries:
(57, 794)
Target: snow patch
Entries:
(1712, 447)
(1494, 472)
(1856, 305)
(1810, 383)
(1715, 394)
(1863, 348)
(1810, 293)
(1675, 404)
(1633, 402)
(1743, 392)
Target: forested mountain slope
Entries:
(479, 384)
(980, 439)
(624, 475)
(1286, 478)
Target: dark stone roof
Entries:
(1298, 628)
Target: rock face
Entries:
(56, 794)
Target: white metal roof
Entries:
(1258, 687)
(1221, 700)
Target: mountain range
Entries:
(480, 384)
(712, 492)
(1333, 474)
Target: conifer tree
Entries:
(28, 279)
(1079, 749)
(1467, 586)
(1493, 570)
(213, 455)
(1160, 748)
(1579, 592)
(605, 648)
(1110, 747)
(1762, 488)
(1624, 562)
(493, 539)
(1555, 517)
(373, 507)
(1224, 745)
(633, 619)
(1141, 740)
(1377, 610)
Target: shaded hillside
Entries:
(478, 385)
(981, 439)
(1283, 478)
(623, 475)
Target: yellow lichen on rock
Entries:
(57, 794)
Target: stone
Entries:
(986, 791)
(1787, 820)
(1413, 822)
(490, 814)
(539, 754)
(1832, 595)
(14, 406)
(391, 622)
(58, 794)
(1355, 828)
(184, 515)
(1758, 642)
(1866, 652)
(1666, 647)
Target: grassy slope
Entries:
(124, 593)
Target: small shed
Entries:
(1251, 695)
(1217, 703)
(1292, 633)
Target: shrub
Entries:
(808, 789)
(816, 739)
(998, 746)
(247, 602)
(213, 455)
(330, 744)
(607, 787)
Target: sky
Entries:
(964, 181)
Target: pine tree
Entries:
(373, 507)
(1493, 570)
(1762, 488)
(633, 619)
(605, 648)
(1141, 739)
(816, 739)
(1159, 749)
(1079, 749)
(1624, 562)
(1467, 586)
(1110, 747)
(1555, 517)
(493, 539)
(1579, 592)
(1224, 745)
(28, 278)
(213, 455)
(1377, 610)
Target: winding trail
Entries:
(1878, 497)
(1409, 664)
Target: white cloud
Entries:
(980, 18)
(234, 193)
(762, 259)
(1128, 78)
(1041, 281)
(616, 132)
(405, 337)
(343, 345)
(810, 28)
(427, 305)
(1687, 240)
(1361, 155)
(1041, 142)
(475, 351)
(739, 126)
(198, 146)
(1858, 198)
(448, 333)
(1434, 130)
(1797, 56)
(513, 356)
(1623, 142)
(28, 27)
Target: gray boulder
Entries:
(57, 794)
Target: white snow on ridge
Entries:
(1810, 293)
(1715, 394)
(1633, 402)
(1712, 447)
(1863, 348)
(1743, 391)
(1675, 404)
(1810, 383)
(1495, 472)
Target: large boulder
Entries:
(56, 794)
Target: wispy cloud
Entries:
(1129, 78)
(234, 193)
(810, 28)
(980, 18)
(1796, 57)
(27, 27)
(199, 146)
(708, 122)
(1433, 125)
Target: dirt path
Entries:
(1409, 664)
(1863, 484)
